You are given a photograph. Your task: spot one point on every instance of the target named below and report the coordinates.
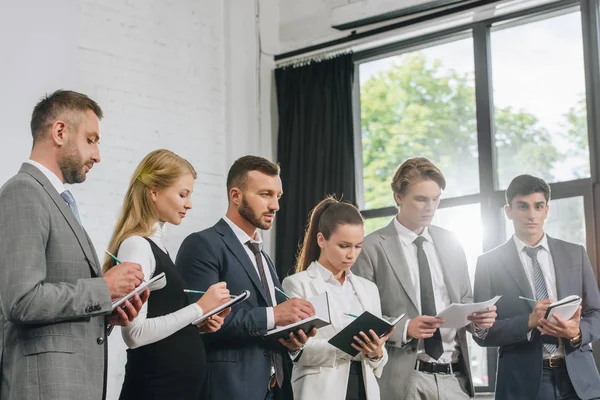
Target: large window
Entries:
(485, 103)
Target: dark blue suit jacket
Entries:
(500, 272)
(239, 359)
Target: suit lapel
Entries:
(447, 258)
(514, 267)
(562, 267)
(80, 234)
(235, 247)
(361, 293)
(393, 251)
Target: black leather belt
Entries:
(432, 368)
(554, 362)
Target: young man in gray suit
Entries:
(420, 269)
(54, 299)
(539, 359)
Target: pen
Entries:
(199, 292)
(283, 293)
(528, 299)
(113, 256)
(351, 315)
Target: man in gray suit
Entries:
(421, 269)
(54, 299)
(539, 359)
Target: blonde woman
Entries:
(332, 243)
(166, 358)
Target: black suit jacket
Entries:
(239, 359)
(500, 272)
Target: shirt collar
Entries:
(54, 180)
(243, 236)
(542, 243)
(407, 236)
(327, 275)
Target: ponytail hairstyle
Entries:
(325, 218)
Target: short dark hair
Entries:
(51, 107)
(524, 185)
(238, 173)
(416, 169)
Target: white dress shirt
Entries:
(142, 330)
(547, 265)
(345, 297)
(406, 238)
(54, 180)
(244, 238)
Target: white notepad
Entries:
(565, 308)
(235, 300)
(156, 283)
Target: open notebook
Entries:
(565, 308)
(343, 339)
(319, 320)
(156, 283)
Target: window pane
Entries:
(372, 224)
(565, 220)
(420, 103)
(465, 223)
(539, 98)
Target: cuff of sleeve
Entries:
(270, 318)
(198, 310)
(405, 333)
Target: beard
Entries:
(248, 213)
(71, 166)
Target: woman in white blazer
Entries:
(331, 245)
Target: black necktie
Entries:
(433, 345)
(276, 358)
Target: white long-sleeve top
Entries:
(142, 330)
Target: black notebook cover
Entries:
(366, 321)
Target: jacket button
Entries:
(267, 353)
(100, 340)
(89, 309)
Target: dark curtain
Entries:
(315, 146)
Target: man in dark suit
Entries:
(243, 365)
(539, 359)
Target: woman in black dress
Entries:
(166, 358)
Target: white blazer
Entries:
(320, 372)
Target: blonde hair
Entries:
(159, 170)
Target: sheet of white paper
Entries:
(455, 315)
(321, 304)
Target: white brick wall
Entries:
(162, 70)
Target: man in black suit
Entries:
(539, 359)
(242, 365)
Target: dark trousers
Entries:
(356, 383)
(556, 385)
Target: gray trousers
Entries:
(425, 386)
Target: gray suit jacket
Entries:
(382, 261)
(500, 272)
(52, 296)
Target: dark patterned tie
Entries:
(275, 356)
(541, 292)
(434, 347)
(70, 200)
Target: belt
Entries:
(554, 362)
(433, 368)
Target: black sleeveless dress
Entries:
(173, 368)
